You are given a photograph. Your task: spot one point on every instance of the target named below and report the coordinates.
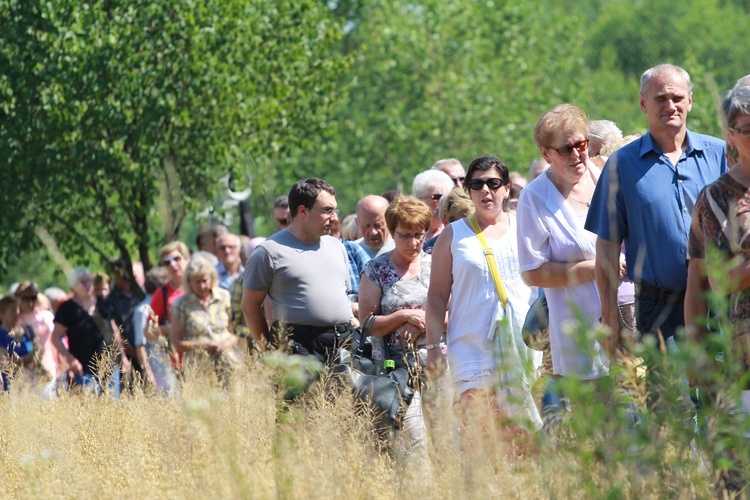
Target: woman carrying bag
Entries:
(475, 267)
(393, 294)
(556, 252)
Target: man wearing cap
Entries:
(281, 211)
(304, 272)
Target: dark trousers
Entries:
(659, 310)
(306, 340)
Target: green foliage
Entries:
(118, 117)
(293, 373)
(690, 33)
(445, 79)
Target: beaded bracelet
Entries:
(431, 346)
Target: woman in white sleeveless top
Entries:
(460, 273)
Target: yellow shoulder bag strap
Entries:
(490, 261)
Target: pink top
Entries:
(42, 321)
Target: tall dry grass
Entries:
(248, 442)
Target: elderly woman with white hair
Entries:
(430, 186)
(602, 133)
(88, 327)
(200, 320)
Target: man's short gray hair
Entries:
(232, 236)
(446, 163)
(424, 182)
(651, 73)
(537, 167)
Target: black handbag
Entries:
(388, 391)
(536, 325)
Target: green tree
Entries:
(118, 117)
(435, 79)
(698, 35)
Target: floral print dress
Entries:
(396, 294)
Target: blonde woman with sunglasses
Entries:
(556, 252)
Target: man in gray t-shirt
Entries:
(304, 272)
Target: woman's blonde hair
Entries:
(199, 267)
(171, 247)
(560, 119)
(455, 205)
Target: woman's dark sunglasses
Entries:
(567, 149)
(493, 184)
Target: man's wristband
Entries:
(432, 346)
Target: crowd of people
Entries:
(607, 230)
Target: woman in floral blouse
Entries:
(200, 320)
(394, 288)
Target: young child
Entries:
(17, 344)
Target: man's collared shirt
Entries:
(357, 260)
(236, 319)
(226, 279)
(371, 252)
(651, 204)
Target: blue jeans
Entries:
(87, 382)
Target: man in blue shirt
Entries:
(645, 198)
(230, 265)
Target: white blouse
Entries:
(550, 231)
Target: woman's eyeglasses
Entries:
(744, 131)
(408, 236)
(493, 184)
(580, 146)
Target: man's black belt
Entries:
(659, 294)
(315, 330)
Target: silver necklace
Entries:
(569, 197)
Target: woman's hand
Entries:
(416, 318)
(409, 333)
(623, 267)
(435, 362)
(214, 347)
(125, 364)
(75, 366)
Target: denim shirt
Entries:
(652, 202)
